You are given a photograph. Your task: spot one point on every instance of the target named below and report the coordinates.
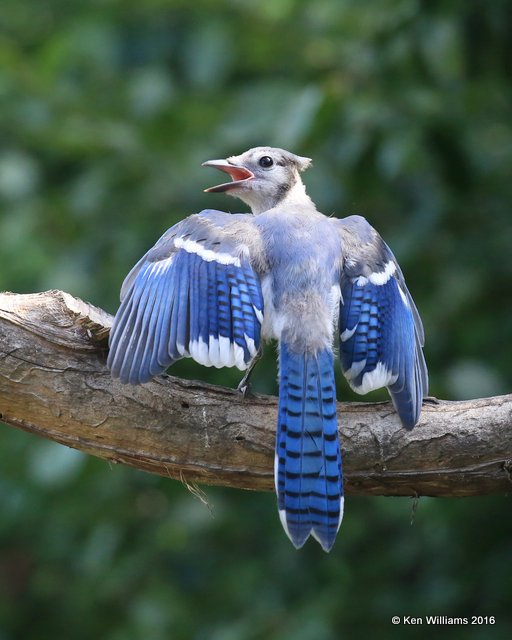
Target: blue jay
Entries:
(216, 284)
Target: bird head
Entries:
(263, 177)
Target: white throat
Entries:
(259, 201)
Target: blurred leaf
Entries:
(467, 379)
(19, 175)
(53, 464)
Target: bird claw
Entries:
(245, 389)
(244, 386)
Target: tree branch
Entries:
(54, 383)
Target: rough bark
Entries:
(54, 383)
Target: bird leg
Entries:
(244, 386)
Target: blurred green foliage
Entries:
(107, 109)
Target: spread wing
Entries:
(381, 334)
(195, 293)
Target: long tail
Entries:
(308, 476)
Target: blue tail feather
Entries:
(309, 481)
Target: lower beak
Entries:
(239, 175)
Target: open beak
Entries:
(239, 175)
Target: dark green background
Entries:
(107, 109)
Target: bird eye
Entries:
(265, 162)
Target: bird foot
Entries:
(245, 389)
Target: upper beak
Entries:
(238, 174)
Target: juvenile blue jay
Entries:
(216, 283)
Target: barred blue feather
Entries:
(187, 300)
(309, 480)
(381, 338)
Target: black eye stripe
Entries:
(265, 162)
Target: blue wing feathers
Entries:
(129, 320)
(160, 356)
(245, 301)
(253, 286)
(170, 304)
(383, 349)
(213, 313)
(182, 316)
(224, 306)
(138, 370)
(152, 332)
(236, 309)
(212, 308)
(203, 329)
(195, 300)
(179, 302)
(381, 335)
